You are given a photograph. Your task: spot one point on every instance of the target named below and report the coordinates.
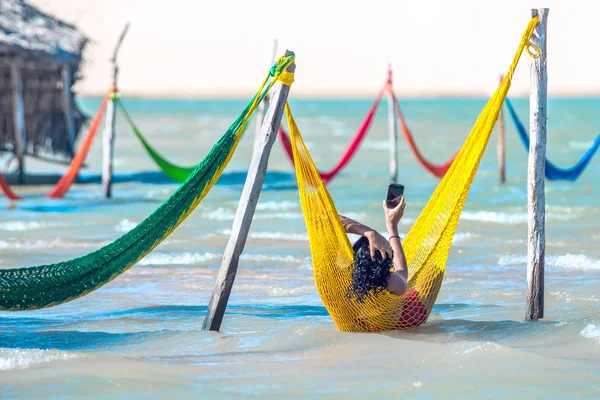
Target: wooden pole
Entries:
(393, 129)
(246, 207)
(260, 112)
(109, 129)
(67, 109)
(20, 134)
(535, 173)
(108, 148)
(501, 150)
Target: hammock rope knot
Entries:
(286, 78)
(536, 53)
(280, 65)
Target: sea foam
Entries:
(591, 331)
(20, 358)
(272, 235)
(579, 262)
(19, 226)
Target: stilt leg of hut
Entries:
(20, 135)
(67, 109)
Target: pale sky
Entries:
(200, 48)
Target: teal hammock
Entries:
(554, 173)
(49, 285)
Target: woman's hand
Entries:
(378, 242)
(393, 215)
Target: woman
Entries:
(379, 264)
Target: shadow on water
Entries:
(60, 332)
(54, 333)
(86, 201)
(159, 178)
(252, 310)
(273, 179)
(69, 340)
(457, 330)
(449, 307)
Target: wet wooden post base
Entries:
(260, 112)
(536, 173)
(393, 129)
(20, 135)
(246, 206)
(501, 147)
(108, 143)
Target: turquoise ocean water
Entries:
(140, 335)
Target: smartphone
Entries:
(395, 192)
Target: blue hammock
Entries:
(554, 173)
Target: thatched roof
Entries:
(40, 46)
(27, 29)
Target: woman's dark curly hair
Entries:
(369, 276)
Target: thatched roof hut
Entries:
(39, 63)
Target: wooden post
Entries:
(393, 129)
(260, 112)
(501, 150)
(20, 134)
(109, 129)
(67, 109)
(535, 174)
(108, 148)
(246, 207)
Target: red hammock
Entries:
(7, 190)
(354, 144)
(436, 170)
(65, 182)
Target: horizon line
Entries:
(312, 95)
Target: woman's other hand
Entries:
(393, 215)
(378, 242)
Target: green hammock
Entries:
(49, 285)
(173, 171)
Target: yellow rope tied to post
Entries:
(279, 74)
(286, 78)
(426, 246)
(536, 53)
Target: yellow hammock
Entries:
(426, 245)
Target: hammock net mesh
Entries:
(48, 285)
(426, 245)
